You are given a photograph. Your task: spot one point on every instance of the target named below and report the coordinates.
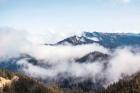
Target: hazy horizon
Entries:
(53, 20)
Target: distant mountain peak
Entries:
(75, 40)
(93, 56)
(108, 40)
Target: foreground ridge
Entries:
(17, 83)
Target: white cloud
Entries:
(62, 53)
(12, 41)
(123, 61)
(123, 1)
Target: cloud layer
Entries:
(123, 63)
(58, 60)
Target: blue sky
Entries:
(70, 16)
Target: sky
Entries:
(41, 17)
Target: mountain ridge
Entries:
(108, 40)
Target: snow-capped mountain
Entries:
(76, 40)
(108, 40)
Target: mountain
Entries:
(93, 56)
(12, 63)
(108, 40)
(75, 40)
(64, 82)
(67, 82)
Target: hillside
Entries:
(127, 85)
(24, 84)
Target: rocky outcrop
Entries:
(7, 82)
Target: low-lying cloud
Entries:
(122, 63)
(61, 59)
